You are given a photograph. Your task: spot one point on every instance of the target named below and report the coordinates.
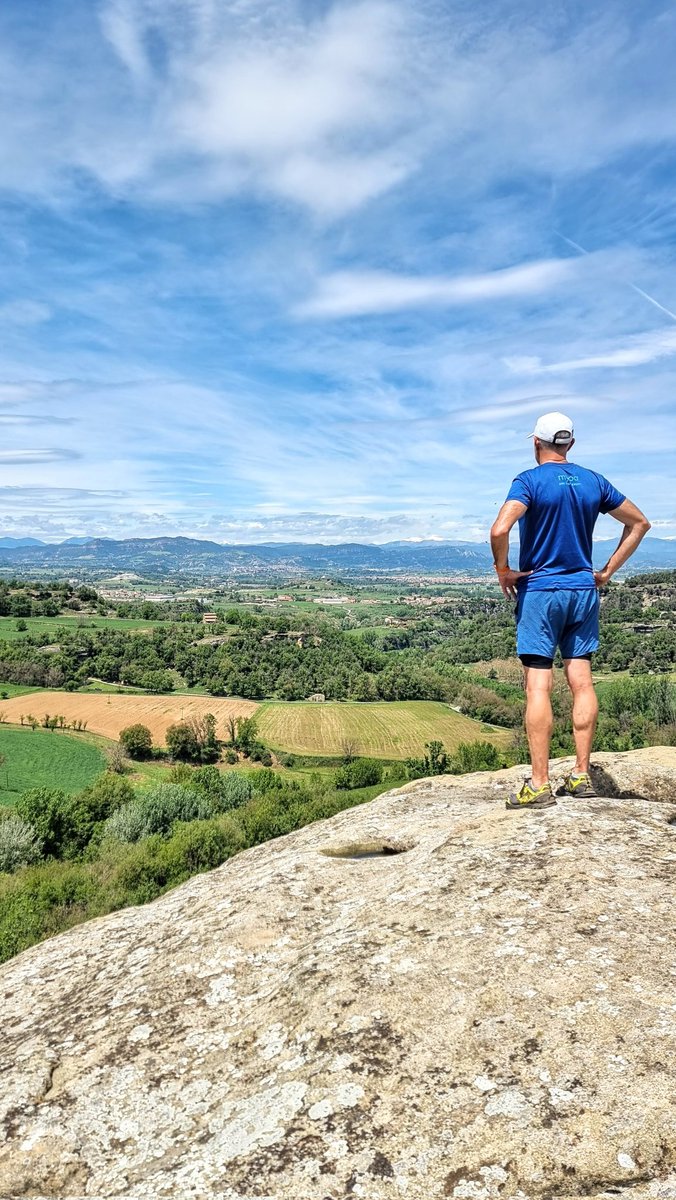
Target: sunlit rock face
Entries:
(487, 1010)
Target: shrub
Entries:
(117, 759)
(19, 843)
(47, 810)
(167, 802)
(236, 789)
(128, 824)
(21, 919)
(267, 781)
(362, 772)
(201, 846)
(475, 756)
(156, 810)
(183, 774)
(207, 780)
(224, 790)
(44, 899)
(278, 806)
(137, 741)
(396, 772)
(270, 816)
(89, 808)
(157, 863)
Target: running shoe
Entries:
(530, 797)
(579, 785)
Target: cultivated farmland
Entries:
(45, 759)
(391, 729)
(108, 714)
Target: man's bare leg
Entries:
(539, 721)
(585, 709)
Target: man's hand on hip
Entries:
(602, 578)
(508, 580)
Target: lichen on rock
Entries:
(489, 1014)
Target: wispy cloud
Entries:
(354, 293)
(22, 457)
(636, 352)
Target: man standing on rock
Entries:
(556, 590)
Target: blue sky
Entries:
(310, 270)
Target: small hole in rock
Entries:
(366, 850)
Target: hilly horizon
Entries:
(162, 555)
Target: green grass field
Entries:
(50, 625)
(97, 686)
(15, 689)
(386, 729)
(45, 759)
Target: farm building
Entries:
(210, 619)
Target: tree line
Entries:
(263, 656)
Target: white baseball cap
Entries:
(554, 427)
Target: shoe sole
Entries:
(530, 804)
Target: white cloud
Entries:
(278, 94)
(21, 457)
(33, 419)
(329, 105)
(634, 352)
(355, 293)
(309, 108)
(120, 25)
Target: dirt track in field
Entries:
(108, 714)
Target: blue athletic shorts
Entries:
(567, 618)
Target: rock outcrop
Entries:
(485, 1009)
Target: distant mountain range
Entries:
(165, 556)
(10, 543)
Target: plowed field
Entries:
(107, 715)
(392, 729)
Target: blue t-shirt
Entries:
(563, 503)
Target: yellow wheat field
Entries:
(108, 714)
(391, 729)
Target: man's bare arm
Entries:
(636, 525)
(507, 517)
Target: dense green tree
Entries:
(137, 741)
(182, 743)
(363, 772)
(48, 811)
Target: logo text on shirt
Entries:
(571, 480)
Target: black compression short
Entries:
(540, 662)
